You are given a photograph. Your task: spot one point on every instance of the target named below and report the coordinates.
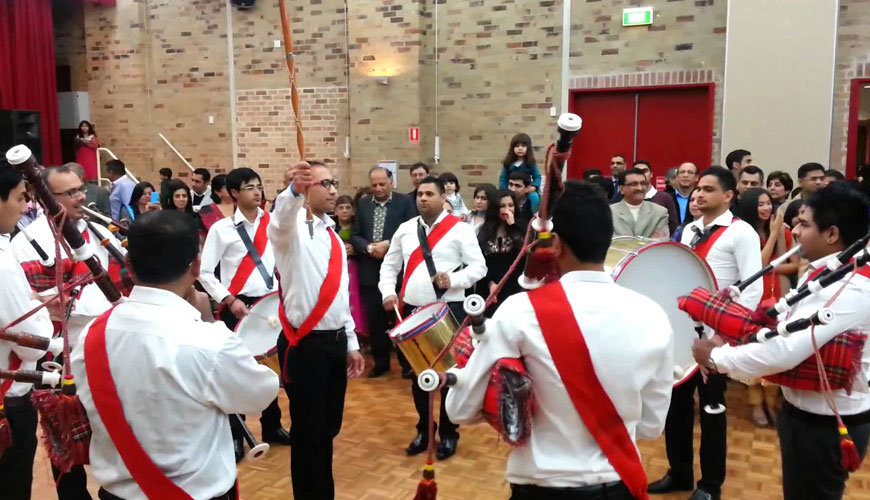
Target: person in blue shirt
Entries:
(122, 187)
(521, 157)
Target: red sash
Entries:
(416, 256)
(703, 248)
(247, 266)
(145, 472)
(328, 292)
(574, 364)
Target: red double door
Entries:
(664, 125)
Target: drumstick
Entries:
(272, 320)
(396, 309)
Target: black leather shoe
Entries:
(700, 494)
(239, 450)
(418, 445)
(277, 436)
(378, 371)
(447, 448)
(667, 485)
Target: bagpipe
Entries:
(62, 417)
(832, 366)
(434, 343)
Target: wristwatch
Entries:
(712, 364)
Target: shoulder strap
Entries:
(427, 257)
(255, 249)
(703, 247)
(148, 476)
(416, 257)
(571, 356)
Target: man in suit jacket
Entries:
(635, 217)
(660, 198)
(377, 218)
(617, 168)
(687, 179)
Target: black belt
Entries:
(325, 335)
(248, 301)
(592, 492)
(814, 418)
(229, 495)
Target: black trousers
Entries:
(270, 419)
(315, 374)
(610, 491)
(446, 428)
(678, 435)
(73, 485)
(378, 325)
(16, 464)
(230, 495)
(811, 458)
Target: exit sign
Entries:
(638, 16)
(414, 135)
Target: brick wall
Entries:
(70, 48)
(853, 61)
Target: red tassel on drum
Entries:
(849, 453)
(428, 488)
(5, 432)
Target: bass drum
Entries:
(663, 271)
(260, 328)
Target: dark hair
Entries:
(239, 176)
(753, 170)
(488, 189)
(165, 172)
(805, 169)
(218, 182)
(591, 172)
(725, 177)
(747, 208)
(783, 178)
(792, 210)
(510, 157)
(9, 180)
(736, 156)
(162, 246)
(173, 186)
(489, 230)
(363, 191)
(583, 221)
(344, 200)
(316, 163)
(91, 128)
(643, 162)
(116, 167)
(417, 165)
(605, 184)
(449, 177)
(204, 173)
(842, 206)
(631, 171)
(835, 174)
(431, 179)
(520, 175)
(382, 169)
(60, 169)
(138, 191)
(621, 156)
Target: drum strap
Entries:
(708, 238)
(571, 356)
(252, 259)
(427, 257)
(417, 256)
(148, 476)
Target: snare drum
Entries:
(424, 334)
(260, 328)
(663, 271)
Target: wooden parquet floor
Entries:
(370, 463)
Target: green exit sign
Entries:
(638, 16)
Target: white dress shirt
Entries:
(632, 355)
(177, 378)
(302, 263)
(735, 255)
(16, 299)
(459, 246)
(224, 246)
(91, 302)
(206, 199)
(784, 353)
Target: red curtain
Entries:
(27, 67)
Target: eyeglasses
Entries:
(635, 184)
(326, 183)
(252, 187)
(72, 193)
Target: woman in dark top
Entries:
(501, 238)
(178, 197)
(140, 202)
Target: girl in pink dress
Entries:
(86, 149)
(344, 223)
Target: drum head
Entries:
(665, 271)
(260, 328)
(621, 247)
(419, 321)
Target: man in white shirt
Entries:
(831, 220)
(16, 299)
(174, 377)
(564, 457)
(247, 268)
(200, 188)
(633, 216)
(318, 349)
(456, 246)
(733, 251)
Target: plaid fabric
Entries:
(841, 356)
(462, 348)
(42, 278)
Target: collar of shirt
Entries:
(440, 218)
(164, 298)
(723, 220)
(680, 195)
(6, 243)
(649, 194)
(586, 276)
(239, 217)
(383, 203)
(816, 264)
